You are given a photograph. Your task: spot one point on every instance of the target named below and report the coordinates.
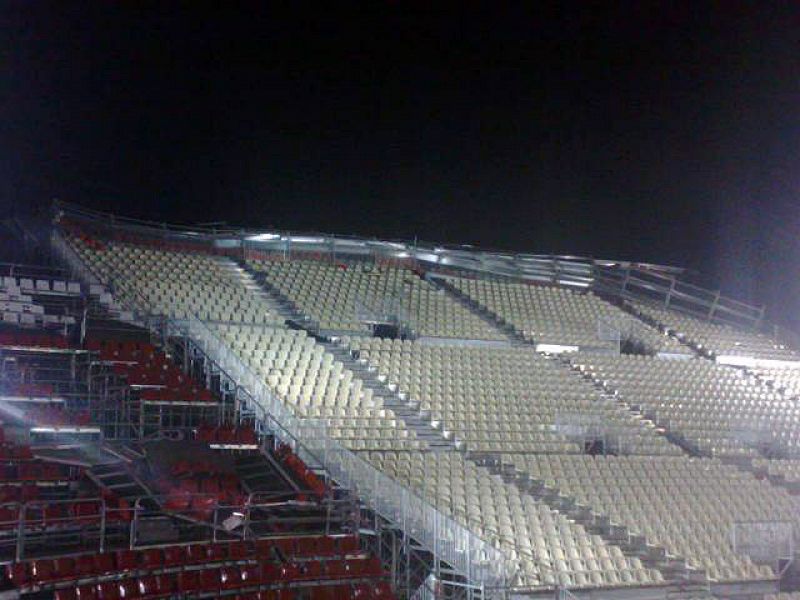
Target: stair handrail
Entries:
(447, 539)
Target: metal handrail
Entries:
(450, 541)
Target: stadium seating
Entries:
(20, 304)
(334, 294)
(717, 338)
(686, 506)
(505, 399)
(144, 366)
(551, 548)
(554, 315)
(719, 409)
(316, 385)
(178, 284)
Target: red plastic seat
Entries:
(188, 581)
(210, 580)
(129, 588)
(239, 550)
(18, 574)
(288, 572)
(326, 546)
(173, 556)
(372, 566)
(126, 560)
(196, 553)
(249, 575)
(86, 592)
(65, 568)
(104, 563)
(337, 569)
(306, 546)
(84, 566)
(108, 590)
(66, 594)
(150, 586)
(314, 569)
(349, 545)
(152, 558)
(43, 571)
(382, 590)
(217, 552)
(230, 578)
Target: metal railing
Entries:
(661, 284)
(451, 542)
(38, 529)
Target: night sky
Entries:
(666, 132)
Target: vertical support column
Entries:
(714, 305)
(672, 285)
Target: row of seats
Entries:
(686, 506)
(784, 379)
(719, 409)
(345, 296)
(42, 571)
(550, 548)
(227, 434)
(177, 284)
(788, 469)
(310, 480)
(555, 315)
(316, 385)
(717, 338)
(31, 285)
(146, 367)
(190, 582)
(29, 339)
(19, 307)
(505, 399)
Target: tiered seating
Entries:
(555, 315)
(327, 567)
(54, 415)
(18, 307)
(199, 487)
(310, 479)
(334, 295)
(687, 506)
(177, 284)
(29, 339)
(786, 379)
(788, 469)
(717, 408)
(316, 385)
(719, 339)
(550, 547)
(227, 435)
(149, 369)
(505, 399)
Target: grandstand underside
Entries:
(197, 413)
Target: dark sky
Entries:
(667, 132)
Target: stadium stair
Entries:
(651, 322)
(258, 282)
(673, 569)
(409, 411)
(612, 395)
(491, 318)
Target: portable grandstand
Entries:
(266, 415)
